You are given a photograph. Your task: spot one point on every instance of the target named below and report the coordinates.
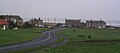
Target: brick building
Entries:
(74, 23)
(95, 24)
(17, 20)
(36, 22)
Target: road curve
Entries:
(47, 38)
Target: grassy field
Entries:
(75, 46)
(96, 34)
(85, 47)
(20, 35)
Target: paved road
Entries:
(47, 38)
(55, 45)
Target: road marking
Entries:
(30, 43)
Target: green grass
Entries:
(61, 39)
(29, 49)
(85, 47)
(20, 35)
(96, 34)
(75, 46)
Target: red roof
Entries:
(3, 22)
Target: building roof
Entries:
(3, 22)
(96, 21)
(73, 19)
(11, 16)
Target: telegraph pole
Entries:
(54, 20)
(48, 20)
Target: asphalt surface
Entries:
(47, 38)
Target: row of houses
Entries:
(34, 22)
(74, 23)
(88, 24)
(10, 21)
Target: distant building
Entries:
(95, 24)
(82, 24)
(3, 24)
(74, 23)
(36, 22)
(49, 25)
(17, 20)
(112, 27)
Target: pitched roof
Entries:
(3, 22)
(11, 16)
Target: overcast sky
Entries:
(108, 10)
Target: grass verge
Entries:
(29, 49)
(20, 35)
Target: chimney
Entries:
(100, 19)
